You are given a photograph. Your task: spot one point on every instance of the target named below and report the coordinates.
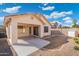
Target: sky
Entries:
(63, 13)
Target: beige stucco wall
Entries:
(11, 31)
(27, 20)
(64, 31)
(42, 34)
(42, 28)
(46, 23)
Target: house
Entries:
(54, 25)
(26, 25)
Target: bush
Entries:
(77, 41)
(76, 47)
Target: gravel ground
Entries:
(5, 48)
(59, 46)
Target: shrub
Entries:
(76, 47)
(77, 41)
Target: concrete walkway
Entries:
(26, 47)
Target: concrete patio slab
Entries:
(27, 47)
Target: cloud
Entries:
(12, 9)
(68, 20)
(60, 14)
(56, 15)
(45, 4)
(44, 7)
(48, 8)
(68, 25)
(57, 22)
(47, 16)
(78, 22)
(1, 19)
(1, 3)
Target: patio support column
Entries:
(41, 31)
(32, 30)
(13, 32)
(7, 32)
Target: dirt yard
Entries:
(59, 46)
(5, 48)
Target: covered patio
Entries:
(25, 30)
(22, 30)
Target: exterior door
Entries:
(30, 30)
(35, 31)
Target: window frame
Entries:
(46, 29)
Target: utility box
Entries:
(72, 33)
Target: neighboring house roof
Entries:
(52, 23)
(2, 28)
(31, 14)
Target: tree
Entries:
(56, 24)
(74, 24)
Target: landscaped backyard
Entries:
(59, 46)
(5, 48)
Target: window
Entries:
(20, 27)
(45, 28)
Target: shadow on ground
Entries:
(56, 42)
